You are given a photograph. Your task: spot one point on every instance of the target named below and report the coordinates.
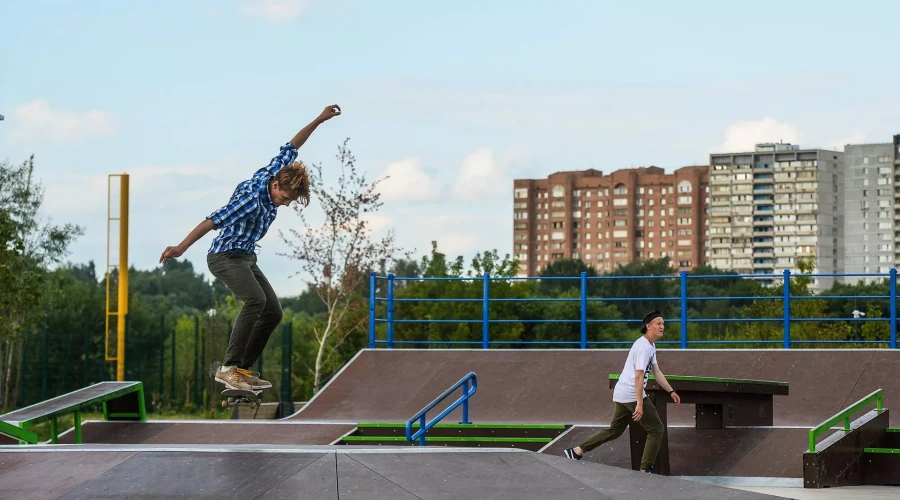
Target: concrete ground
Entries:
(793, 488)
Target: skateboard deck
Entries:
(241, 398)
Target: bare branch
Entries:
(344, 244)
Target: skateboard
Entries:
(237, 397)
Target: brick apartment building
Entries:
(605, 220)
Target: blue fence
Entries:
(684, 278)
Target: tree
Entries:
(337, 255)
(29, 245)
(564, 268)
(455, 307)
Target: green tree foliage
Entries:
(28, 246)
(803, 305)
(423, 300)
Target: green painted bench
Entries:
(120, 400)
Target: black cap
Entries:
(648, 318)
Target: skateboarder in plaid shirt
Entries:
(232, 256)
(631, 401)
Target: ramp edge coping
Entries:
(691, 378)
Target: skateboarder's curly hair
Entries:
(295, 179)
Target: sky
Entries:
(451, 101)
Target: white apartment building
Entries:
(869, 210)
(773, 206)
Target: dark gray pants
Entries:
(261, 313)
(622, 418)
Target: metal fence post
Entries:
(583, 310)
(197, 360)
(162, 358)
(46, 340)
(287, 404)
(485, 312)
(683, 309)
(893, 284)
(372, 310)
(87, 347)
(172, 382)
(787, 308)
(390, 311)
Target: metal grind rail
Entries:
(463, 400)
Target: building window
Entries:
(558, 191)
(620, 189)
(521, 193)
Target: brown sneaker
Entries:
(253, 379)
(233, 378)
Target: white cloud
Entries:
(454, 243)
(745, 135)
(37, 120)
(376, 222)
(152, 186)
(406, 181)
(275, 10)
(481, 174)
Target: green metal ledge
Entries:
(882, 450)
(18, 433)
(452, 439)
(50, 410)
(844, 416)
(378, 425)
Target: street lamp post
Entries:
(856, 315)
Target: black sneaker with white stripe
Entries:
(570, 453)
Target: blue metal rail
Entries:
(683, 278)
(424, 425)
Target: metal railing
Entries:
(424, 425)
(844, 416)
(584, 299)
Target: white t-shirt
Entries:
(642, 356)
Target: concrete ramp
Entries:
(571, 386)
(326, 473)
(262, 432)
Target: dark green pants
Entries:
(261, 312)
(621, 418)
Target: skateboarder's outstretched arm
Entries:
(240, 207)
(328, 113)
(661, 379)
(197, 233)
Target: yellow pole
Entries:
(123, 278)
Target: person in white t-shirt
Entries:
(630, 398)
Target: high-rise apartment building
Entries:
(775, 205)
(606, 220)
(868, 210)
(897, 199)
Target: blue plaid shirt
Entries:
(250, 211)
